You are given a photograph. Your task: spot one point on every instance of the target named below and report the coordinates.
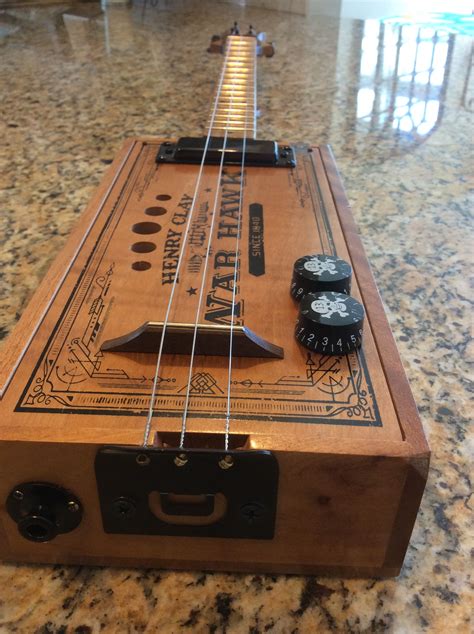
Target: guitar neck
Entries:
(234, 107)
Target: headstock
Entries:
(264, 47)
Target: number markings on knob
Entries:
(330, 323)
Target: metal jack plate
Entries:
(187, 492)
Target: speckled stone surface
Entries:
(75, 83)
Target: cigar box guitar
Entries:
(206, 378)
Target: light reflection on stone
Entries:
(407, 67)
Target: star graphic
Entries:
(191, 291)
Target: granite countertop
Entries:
(76, 82)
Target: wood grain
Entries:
(352, 456)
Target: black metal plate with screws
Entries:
(43, 510)
(128, 478)
(258, 153)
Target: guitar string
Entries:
(206, 263)
(236, 265)
(151, 408)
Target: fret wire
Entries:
(236, 107)
(231, 117)
(237, 110)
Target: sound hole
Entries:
(145, 228)
(141, 266)
(143, 247)
(155, 211)
(163, 197)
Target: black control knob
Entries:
(330, 323)
(315, 273)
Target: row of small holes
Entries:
(147, 228)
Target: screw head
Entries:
(180, 460)
(123, 507)
(252, 511)
(142, 459)
(18, 495)
(226, 462)
(72, 506)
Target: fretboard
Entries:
(235, 97)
